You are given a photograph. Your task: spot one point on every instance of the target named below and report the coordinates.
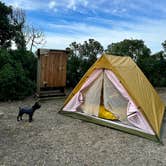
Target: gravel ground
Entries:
(56, 140)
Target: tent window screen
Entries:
(92, 97)
(113, 100)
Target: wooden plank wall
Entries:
(53, 69)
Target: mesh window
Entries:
(114, 101)
(92, 97)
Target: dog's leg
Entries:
(30, 117)
(18, 118)
(21, 116)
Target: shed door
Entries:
(53, 69)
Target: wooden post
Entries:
(38, 71)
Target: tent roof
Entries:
(135, 83)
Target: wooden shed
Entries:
(51, 72)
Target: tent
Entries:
(115, 93)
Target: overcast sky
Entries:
(107, 21)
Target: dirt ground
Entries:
(56, 140)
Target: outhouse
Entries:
(51, 72)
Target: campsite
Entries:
(82, 83)
(54, 139)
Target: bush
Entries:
(73, 71)
(154, 69)
(17, 74)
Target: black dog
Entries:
(29, 111)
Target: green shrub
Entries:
(154, 69)
(17, 74)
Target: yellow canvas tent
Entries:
(115, 93)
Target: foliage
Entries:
(73, 70)
(153, 66)
(134, 48)
(6, 28)
(81, 57)
(12, 22)
(17, 67)
(17, 74)
(164, 45)
(13, 29)
(18, 19)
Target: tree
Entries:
(89, 51)
(13, 28)
(17, 74)
(12, 22)
(134, 48)
(153, 66)
(25, 35)
(18, 18)
(81, 57)
(34, 37)
(164, 45)
(17, 67)
(6, 28)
